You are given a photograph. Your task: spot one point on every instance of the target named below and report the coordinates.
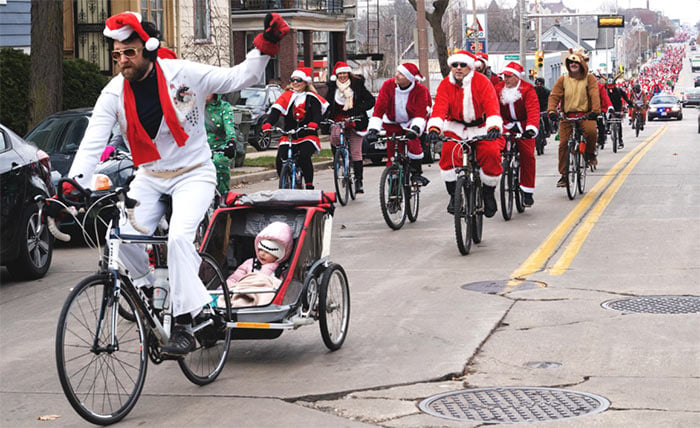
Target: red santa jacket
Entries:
(415, 100)
(468, 110)
(605, 103)
(523, 113)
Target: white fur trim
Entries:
(532, 127)
(512, 70)
(343, 70)
(461, 58)
(489, 180)
(468, 113)
(300, 74)
(375, 123)
(435, 122)
(333, 78)
(494, 120)
(448, 174)
(403, 70)
(412, 156)
(527, 189)
(419, 122)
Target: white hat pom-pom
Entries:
(152, 44)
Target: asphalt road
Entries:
(415, 332)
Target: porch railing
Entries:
(327, 6)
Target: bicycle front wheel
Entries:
(506, 189)
(412, 202)
(637, 125)
(206, 362)
(391, 197)
(477, 210)
(571, 166)
(341, 177)
(463, 225)
(286, 177)
(581, 173)
(101, 380)
(615, 137)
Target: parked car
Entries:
(25, 172)
(664, 106)
(697, 81)
(690, 96)
(257, 100)
(698, 122)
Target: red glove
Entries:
(266, 126)
(268, 42)
(313, 125)
(105, 154)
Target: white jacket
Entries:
(189, 83)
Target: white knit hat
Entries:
(273, 247)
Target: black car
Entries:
(257, 100)
(664, 106)
(25, 172)
(697, 81)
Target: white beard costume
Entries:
(510, 95)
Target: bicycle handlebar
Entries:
(341, 122)
(290, 132)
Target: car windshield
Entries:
(252, 98)
(59, 134)
(664, 100)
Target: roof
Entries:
(570, 36)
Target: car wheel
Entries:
(261, 140)
(35, 248)
(680, 117)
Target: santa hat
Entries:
(303, 73)
(483, 57)
(119, 27)
(273, 247)
(513, 68)
(410, 71)
(340, 67)
(462, 56)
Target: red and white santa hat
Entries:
(463, 57)
(411, 71)
(340, 67)
(303, 73)
(483, 57)
(119, 27)
(513, 68)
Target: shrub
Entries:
(82, 83)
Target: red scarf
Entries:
(143, 149)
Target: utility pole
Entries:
(523, 34)
(422, 42)
(396, 43)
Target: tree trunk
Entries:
(435, 20)
(46, 75)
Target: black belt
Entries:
(476, 122)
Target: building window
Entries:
(152, 10)
(202, 21)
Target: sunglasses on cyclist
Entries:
(128, 52)
(459, 64)
(296, 80)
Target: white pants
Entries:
(192, 194)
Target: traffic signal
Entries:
(539, 59)
(613, 21)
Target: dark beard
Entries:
(136, 74)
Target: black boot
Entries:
(490, 206)
(357, 167)
(417, 173)
(451, 186)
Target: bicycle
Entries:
(541, 138)
(290, 174)
(343, 174)
(101, 356)
(468, 202)
(637, 120)
(615, 122)
(510, 179)
(399, 196)
(575, 159)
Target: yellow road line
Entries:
(544, 251)
(585, 228)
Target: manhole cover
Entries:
(499, 286)
(513, 405)
(656, 304)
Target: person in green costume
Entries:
(221, 135)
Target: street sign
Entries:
(512, 57)
(602, 64)
(472, 46)
(474, 30)
(613, 21)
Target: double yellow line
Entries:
(601, 194)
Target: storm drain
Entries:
(656, 304)
(513, 405)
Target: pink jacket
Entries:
(276, 231)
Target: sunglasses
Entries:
(128, 52)
(296, 80)
(459, 65)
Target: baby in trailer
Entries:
(272, 246)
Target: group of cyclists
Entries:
(159, 105)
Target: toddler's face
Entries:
(265, 257)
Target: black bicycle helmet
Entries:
(636, 88)
(539, 80)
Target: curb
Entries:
(256, 177)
